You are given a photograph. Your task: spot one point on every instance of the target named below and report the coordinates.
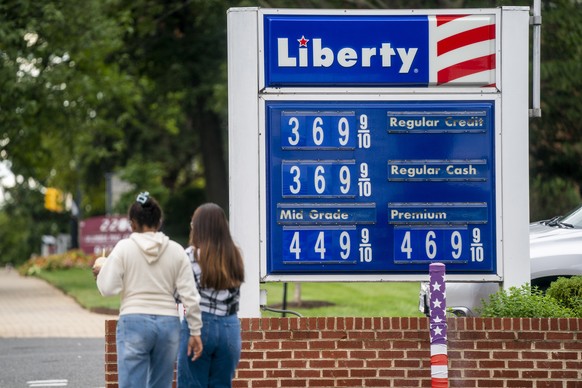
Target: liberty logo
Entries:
(383, 54)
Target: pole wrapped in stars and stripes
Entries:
(438, 327)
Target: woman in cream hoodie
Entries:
(149, 270)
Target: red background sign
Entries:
(102, 233)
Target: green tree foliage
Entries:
(552, 197)
(180, 49)
(59, 90)
(146, 176)
(23, 222)
(556, 138)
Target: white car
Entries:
(555, 251)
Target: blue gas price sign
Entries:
(376, 187)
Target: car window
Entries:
(574, 218)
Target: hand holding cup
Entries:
(99, 263)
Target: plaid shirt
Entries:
(217, 302)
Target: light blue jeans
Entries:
(147, 346)
(221, 340)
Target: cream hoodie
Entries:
(147, 268)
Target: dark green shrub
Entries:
(526, 302)
(568, 292)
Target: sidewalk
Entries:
(30, 307)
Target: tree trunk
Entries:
(213, 158)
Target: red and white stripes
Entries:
(462, 50)
(438, 327)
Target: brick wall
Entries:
(395, 352)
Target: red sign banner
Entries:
(101, 233)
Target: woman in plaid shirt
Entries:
(219, 271)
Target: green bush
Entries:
(526, 302)
(568, 292)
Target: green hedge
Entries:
(568, 292)
(526, 302)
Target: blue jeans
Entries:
(221, 342)
(147, 346)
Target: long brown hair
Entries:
(220, 259)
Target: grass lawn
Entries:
(388, 299)
(80, 284)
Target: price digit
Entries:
(294, 123)
(317, 131)
(320, 245)
(457, 244)
(296, 172)
(319, 179)
(294, 247)
(345, 245)
(406, 246)
(364, 122)
(343, 127)
(344, 179)
(431, 247)
(365, 235)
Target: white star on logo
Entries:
(438, 331)
(436, 286)
(436, 303)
